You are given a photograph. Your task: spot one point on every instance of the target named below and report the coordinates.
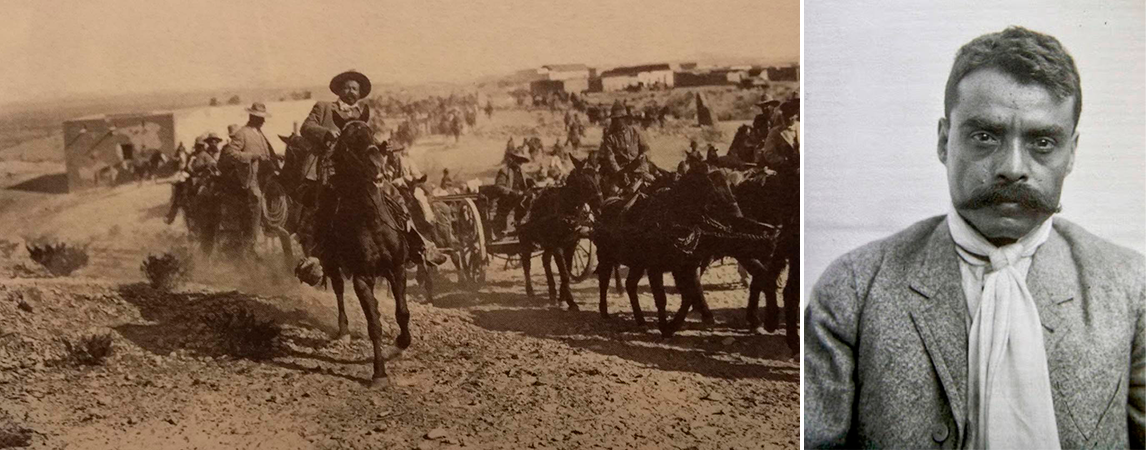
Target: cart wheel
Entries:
(471, 239)
(584, 261)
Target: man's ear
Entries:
(941, 145)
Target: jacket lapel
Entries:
(940, 316)
(1053, 281)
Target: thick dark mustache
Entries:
(996, 194)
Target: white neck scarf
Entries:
(1009, 383)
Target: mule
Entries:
(555, 223)
(660, 234)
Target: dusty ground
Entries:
(488, 367)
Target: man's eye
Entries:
(983, 138)
(1045, 144)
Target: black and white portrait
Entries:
(974, 226)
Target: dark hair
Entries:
(1028, 56)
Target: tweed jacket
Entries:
(325, 116)
(239, 158)
(885, 347)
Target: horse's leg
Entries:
(769, 286)
(401, 310)
(753, 311)
(792, 301)
(657, 284)
(631, 282)
(563, 272)
(546, 263)
(686, 283)
(288, 251)
(364, 289)
(426, 278)
(617, 275)
(526, 261)
(700, 303)
(604, 273)
(338, 284)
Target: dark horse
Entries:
(359, 235)
(556, 222)
(300, 198)
(663, 233)
(775, 200)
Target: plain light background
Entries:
(874, 77)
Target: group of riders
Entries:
(240, 168)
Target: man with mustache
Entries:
(997, 325)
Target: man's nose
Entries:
(1011, 163)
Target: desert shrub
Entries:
(89, 350)
(59, 258)
(243, 335)
(168, 270)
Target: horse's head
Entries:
(708, 188)
(585, 184)
(357, 154)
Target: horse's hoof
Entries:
(605, 316)
(573, 307)
(403, 341)
(380, 383)
(343, 338)
(391, 353)
(708, 320)
(769, 326)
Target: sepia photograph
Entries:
(408, 225)
(974, 225)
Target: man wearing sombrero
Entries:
(239, 164)
(326, 119)
(511, 189)
(623, 154)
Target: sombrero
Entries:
(767, 100)
(519, 152)
(618, 110)
(258, 109)
(363, 82)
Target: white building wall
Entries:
(191, 122)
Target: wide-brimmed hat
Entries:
(201, 139)
(212, 135)
(363, 82)
(519, 152)
(232, 128)
(767, 100)
(258, 109)
(618, 110)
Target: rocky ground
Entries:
(489, 368)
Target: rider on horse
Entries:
(240, 163)
(511, 188)
(322, 128)
(623, 156)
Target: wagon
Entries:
(473, 248)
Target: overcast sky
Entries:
(84, 47)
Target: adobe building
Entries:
(99, 148)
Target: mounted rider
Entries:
(623, 156)
(321, 130)
(240, 165)
(511, 190)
